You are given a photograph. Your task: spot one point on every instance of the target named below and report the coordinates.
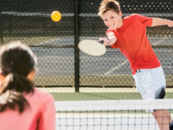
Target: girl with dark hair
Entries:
(22, 106)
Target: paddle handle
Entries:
(102, 42)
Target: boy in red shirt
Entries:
(129, 35)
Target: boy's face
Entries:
(112, 19)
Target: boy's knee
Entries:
(157, 112)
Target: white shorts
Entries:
(150, 83)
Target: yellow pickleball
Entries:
(56, 16)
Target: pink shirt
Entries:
(40, 115)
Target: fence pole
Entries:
(1, 29)
(76, 40)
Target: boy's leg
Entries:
(160, 94)
(169, 119)
(149, 83)
(168, 115)
(162, 119)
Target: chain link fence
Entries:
(60, 62)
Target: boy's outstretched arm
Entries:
(159, 22)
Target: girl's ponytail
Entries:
(16, 61)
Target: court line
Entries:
(156, 43)
(55, 57)
(60, 57)
(116, 67)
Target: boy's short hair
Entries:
(106, 5)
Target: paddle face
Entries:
(92, 47)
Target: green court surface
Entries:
(94, 96)
(68, 94)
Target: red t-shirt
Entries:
(134, 44)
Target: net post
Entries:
(76, 40)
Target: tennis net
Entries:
(109, 115)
